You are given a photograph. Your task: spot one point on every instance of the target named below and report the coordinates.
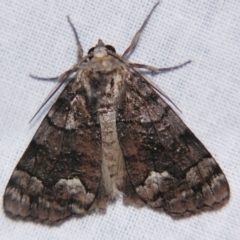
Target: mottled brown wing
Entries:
(168, 166)
(59, 173)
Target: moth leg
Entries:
(49, 78)
(138, 33)
(156, 70)
(79, 46)
(45, 79)
(61, 79)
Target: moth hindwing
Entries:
(111, 132)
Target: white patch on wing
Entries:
(35, 187)
(73, 188)
(219, 188)
(18, 204)
(70, 124)
(155, 183)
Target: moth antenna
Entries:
(138, 33)
(79, 46)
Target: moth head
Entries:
(101, 50)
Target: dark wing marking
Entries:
(168, 166)
(59, 174)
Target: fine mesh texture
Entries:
(36, 38)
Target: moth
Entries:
(110, 132)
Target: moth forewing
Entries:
(110, 132)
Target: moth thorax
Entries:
(100, 52)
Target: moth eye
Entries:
(91, 50)
(110, 48)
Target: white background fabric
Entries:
(36, 38)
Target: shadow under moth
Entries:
(110, 132)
